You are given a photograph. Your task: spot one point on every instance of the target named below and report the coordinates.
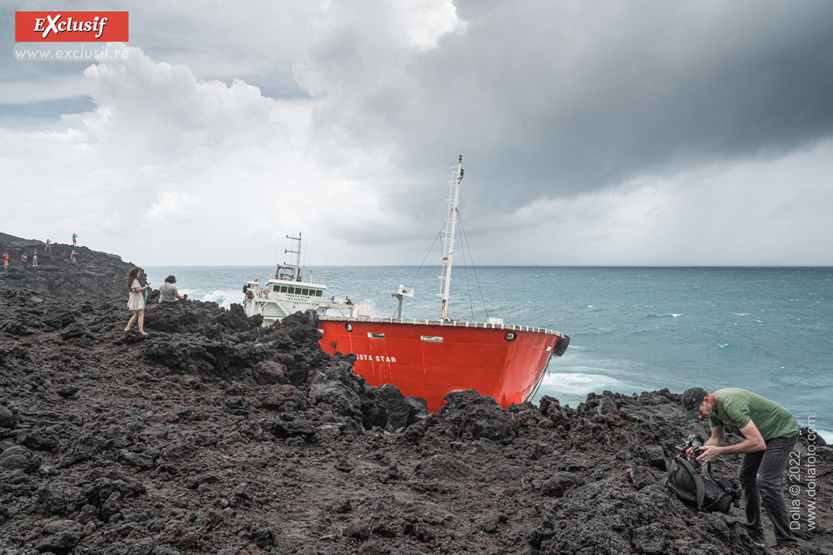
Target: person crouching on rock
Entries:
(770, 433)
(168, 292)
(136, 300)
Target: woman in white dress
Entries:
(136, 300)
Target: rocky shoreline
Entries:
(214, 435)
(93, 275)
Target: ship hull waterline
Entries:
(430, 360)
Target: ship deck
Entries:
(442, 323)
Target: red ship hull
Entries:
(429, 359)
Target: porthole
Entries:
(510, 336)
(348, 326)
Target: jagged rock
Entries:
(212, 434)
(400, 413)
(94, 275)
(82, 448)
(39, 439)
(101, 484)
(18, 457)
(67, 392)
(420, 407)
(559, 483)
(7, 418)
(649, 539)
(61, 537)
(136, 459)
(655, 455)
(270, 372)
(374, 413)
(241, 495)
(195, 481)
(285, 398)
(335, 393)
(51, 501)
(263, 537)
(357, 529)
(472, 416)
(289, 428)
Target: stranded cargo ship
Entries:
(423, 358)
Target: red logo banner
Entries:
(61, 26)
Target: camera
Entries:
(694, 441)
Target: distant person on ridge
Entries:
(48, 246)
(74, 237)
(168, 292)
(5, 261)
(136, 300)
(770, 433)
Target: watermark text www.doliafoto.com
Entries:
(801, 501)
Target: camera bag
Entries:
(695, 486)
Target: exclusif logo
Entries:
(60, 26)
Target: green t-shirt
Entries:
(736, 407)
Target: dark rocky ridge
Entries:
(213, 435)
(94, 275)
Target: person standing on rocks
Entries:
(35, 259)
(168, 292)
(24, 259)
(72, 255)
(74, 237)
(48, 246)
(5, 261)
(136, 300)
(770, 432)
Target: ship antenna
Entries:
(297, 253)
(448, 233)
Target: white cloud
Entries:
(171, 205)
(592, 134)
(167, 159)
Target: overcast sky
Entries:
(592, 132)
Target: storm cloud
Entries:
(593, 132)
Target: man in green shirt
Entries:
(770, 433)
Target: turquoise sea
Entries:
(769, 330)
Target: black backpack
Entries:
(693, 484)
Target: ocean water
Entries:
(769, 330)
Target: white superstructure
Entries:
(287, 293)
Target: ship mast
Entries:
(297, 253)
(448, 233)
